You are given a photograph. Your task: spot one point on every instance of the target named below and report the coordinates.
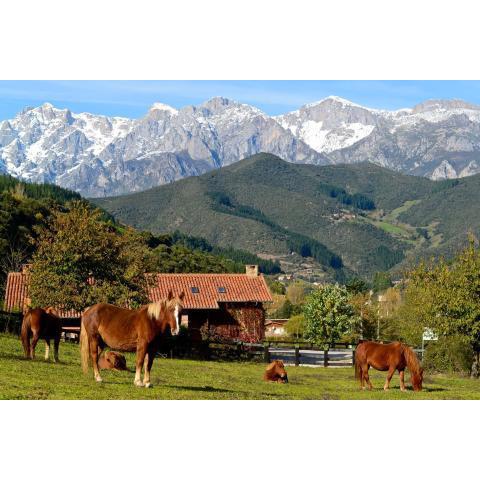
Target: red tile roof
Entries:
(16, 293)
(238, 288)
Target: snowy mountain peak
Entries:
(98, 155)
(163, 107)
(338, 100)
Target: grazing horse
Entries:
(41, 323)
(275, 372)
(388, 357)
(128, 330)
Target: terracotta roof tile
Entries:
(238, 288)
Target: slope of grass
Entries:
(188, 379)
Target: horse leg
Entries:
(390, 373)
(402, 380)
(147, 366)
(47, 348)
(94, 354)
(35, 338)
(56, 344)
(367, 378)
(141, 352)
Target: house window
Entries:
(195, 290)
(222, 290)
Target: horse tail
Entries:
(84, 346)
(412, 361)
(26, 333)
(358, 368)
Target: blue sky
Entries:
(133, 98)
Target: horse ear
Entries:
(182, 296)
(170, 295)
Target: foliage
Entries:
(367, 312)
(286, 310)
(297, 291)
(238, 258)
(381, 281)
(296, 242)
(357, 200)
(76, 246)
(448, 355)
(445, 297)
(295, 326)
(356, 285)
(276, 287)
(328, 315)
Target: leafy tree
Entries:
(356, 285)
(328, 315)
(297, 291)
(367, 312)
(295, 326)
(446, 297)
(76, 246)
(277, 287)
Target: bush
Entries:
(452, 354)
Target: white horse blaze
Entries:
(177, 320)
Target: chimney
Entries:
(251, 270)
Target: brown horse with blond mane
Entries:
(128, 330)
(387, 357)
(41, 323)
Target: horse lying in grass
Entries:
(41, 323)
(112, 361)
(388, 357)
(128, 330)
(275, 372)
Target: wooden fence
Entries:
(10, 322)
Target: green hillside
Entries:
(27, 207)
(330, 221)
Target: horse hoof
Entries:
(148, 385)
(98, 379)
(138, 383)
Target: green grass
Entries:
(188, 379)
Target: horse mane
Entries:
(155, 309)
(412, 361)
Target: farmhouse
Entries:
(275, 327)
(221, 305)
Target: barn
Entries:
(224, 305)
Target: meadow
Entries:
(190, 379)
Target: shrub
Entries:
(452, 354)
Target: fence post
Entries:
(297, 355)
(325, 358)
(353, 355)
(266, 352)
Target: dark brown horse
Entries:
(387, 358)
(41, 323)
(275, 372)
(128, 330)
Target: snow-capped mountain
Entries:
(98, 155)
(438, 138)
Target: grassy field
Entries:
(188, 379)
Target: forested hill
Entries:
(25, 207)
(343, 219)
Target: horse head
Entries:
(173, 308)
(276, 372)
(417, 380)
